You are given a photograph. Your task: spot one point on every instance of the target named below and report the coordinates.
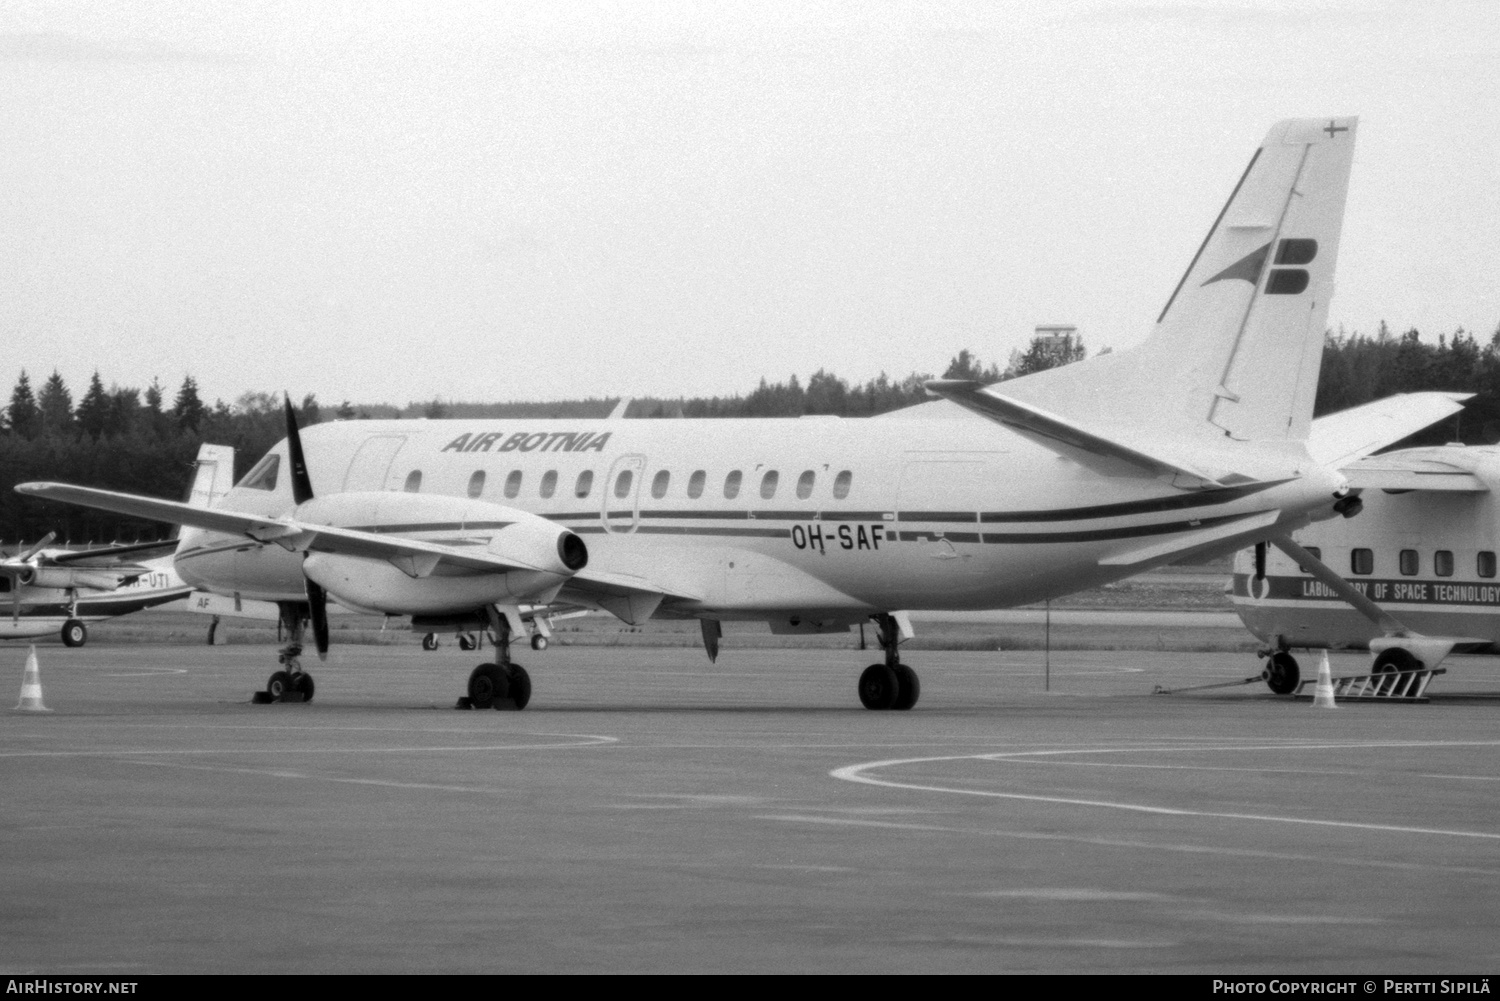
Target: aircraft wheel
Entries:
(303, 682)
(465, 641)
(278, 684)
(1282, 673)
(520, 689)
(1395, 659)
(487, 685)
(74, 633)
(538, 642)
(430, 642)
(878, 687)
(910, 689)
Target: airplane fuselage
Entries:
(815, 517)
(1427, 555)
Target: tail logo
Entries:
(1291, 281)
(1246, 268)
(1283, 280)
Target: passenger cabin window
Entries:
(805, 484)
(841, 484)
(732, 484)
(695, 483)
(1442, 563)
(768, 484)
(584, 485)
(622, 483)
(549, 483)
(1485, 564)
(413, 481)
(659, 483)
(476, 483)
(1362, 561)
(1312, 551)
(263, 476)
(1411, 565)
(513, 483)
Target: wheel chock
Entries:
(264, 698)
(464, 702)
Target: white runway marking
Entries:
(858, 773)
(1135, 844)
(1278, 919)
(1069, 894)
(283, 773)
(145, 674)
(573, 740)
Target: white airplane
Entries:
(1197, 442)
(1417, 575)
(55, 591)
(62, 591)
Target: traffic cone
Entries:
(31, 687)
(1323, 693)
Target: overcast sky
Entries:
(479, 202)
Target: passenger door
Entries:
(621, 502)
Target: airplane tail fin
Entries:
(214, 475)
(1237, 349)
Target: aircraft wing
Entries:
(1051, 430)
(413, 557)
(109, 556)
(1338, 439)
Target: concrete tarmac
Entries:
(651, 812)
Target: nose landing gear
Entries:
(290, 683)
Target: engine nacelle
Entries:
(63, 578)
(378, 585)
(544, 554)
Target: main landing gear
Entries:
(74, 633)
(290, 683)
(502, 684)
(891, 685)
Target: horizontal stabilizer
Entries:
(1170, 549)
(1052, 430)
(1341, 438)
(1397, 472)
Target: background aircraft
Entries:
(1419, 568)
(63, 591)
(60, 591)
(1197, 442)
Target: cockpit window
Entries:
(263, 476)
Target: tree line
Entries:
(133, 440)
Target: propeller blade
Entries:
(46, 541)
(317, 613)
(301, 485)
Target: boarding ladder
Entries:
(1387, 686)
